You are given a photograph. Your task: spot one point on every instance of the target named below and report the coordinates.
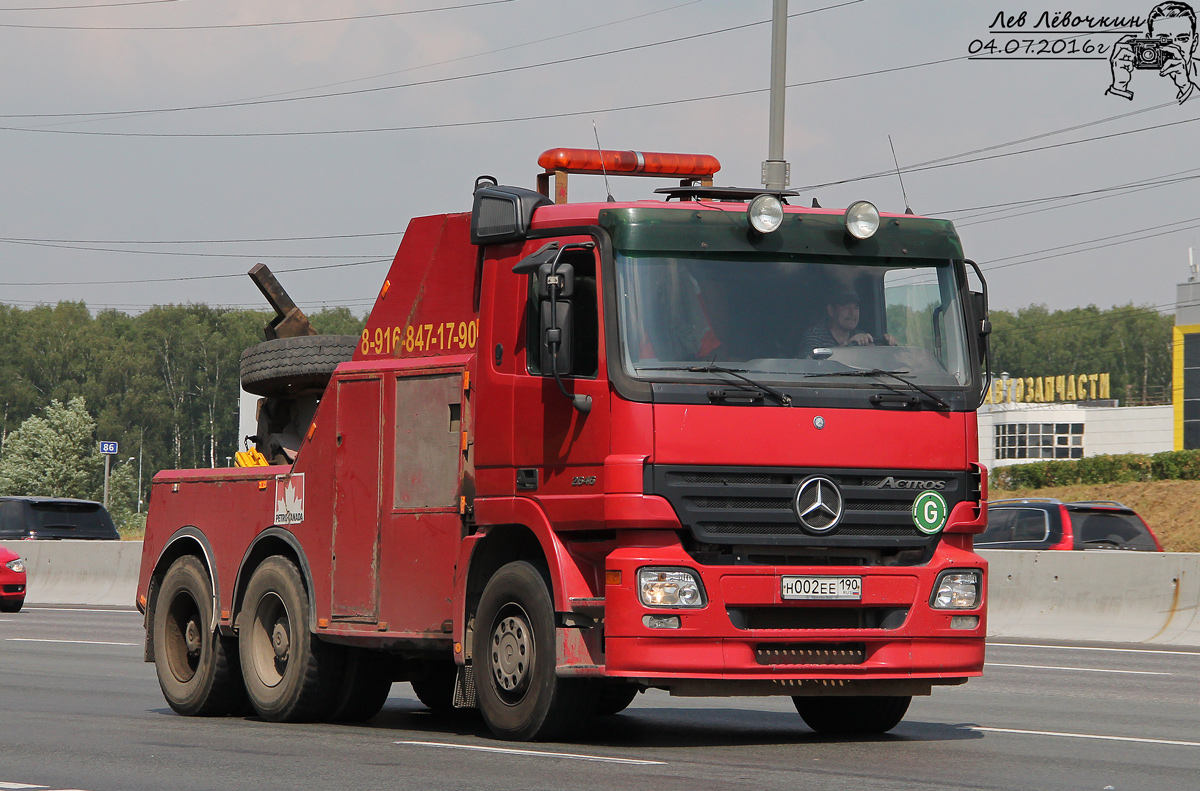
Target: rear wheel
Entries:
(197, 668)
(435, 686)
(366, 682)
(290, 675)
(848, 715)
(519, 693)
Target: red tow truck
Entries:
(710, 443)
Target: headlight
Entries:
(862, 220)
(670, 588)
(957, 590)
(17, 565)
(766, 213)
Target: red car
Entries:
(12, 581)
(1046, 523)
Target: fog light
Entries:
(862, 220)
(670, 588)
(766, 213)
(661, 621)
(956, 590)
(964, 621)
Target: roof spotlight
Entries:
(765, 213)
(862, 220)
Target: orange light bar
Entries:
(636, 163)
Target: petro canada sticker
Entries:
(929, 512)
(289, 499)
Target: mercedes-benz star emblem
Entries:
(818, 504)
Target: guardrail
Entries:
(1109, 596)
(80, 572)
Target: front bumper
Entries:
(747, 632)
(12, 586)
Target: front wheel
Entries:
(290, 675)
(14, 605)
(519, 693)
(197, 668)
(848, 715)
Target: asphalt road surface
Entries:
(80, 710)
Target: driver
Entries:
(839, 327)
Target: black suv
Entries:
(54, 517)
(1052, 524)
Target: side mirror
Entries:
(979, 314)
(553, 284)
(556, 330)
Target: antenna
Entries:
(903, 192)
(603, 169)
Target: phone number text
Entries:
(446, 336)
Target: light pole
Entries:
(776, 173)
(141, 441)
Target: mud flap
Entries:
(464, 688)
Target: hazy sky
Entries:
(148, 189)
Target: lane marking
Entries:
(72, 642)
(536, 753)
(16, 786)
(1088, 736)
(1096, 648)
(1081, 669)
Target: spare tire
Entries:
(287, 366)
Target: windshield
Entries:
(791, 319)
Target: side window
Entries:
(585, 331)
(12, 519)
(1030, 525)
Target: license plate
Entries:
(821, 588)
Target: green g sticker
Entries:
(929, 512)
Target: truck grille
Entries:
(740, 506)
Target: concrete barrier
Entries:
(1124, 597)
(80, 572)
(1109, 596)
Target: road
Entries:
(80, 710)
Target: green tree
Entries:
(53, 454)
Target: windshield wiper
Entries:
(751, 386)
(881, 372)
(783, 398)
